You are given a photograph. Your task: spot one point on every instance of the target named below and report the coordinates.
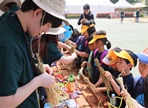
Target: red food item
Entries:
(59, 77)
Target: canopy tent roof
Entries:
(105, 2)
(122, 4)
(96, 6)
(139, 5)
(90, 2)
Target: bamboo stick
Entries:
(129, 100)
(102, 72)
(100, 96)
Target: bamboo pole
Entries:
(100, 96)
(102, 72)
(129, 100)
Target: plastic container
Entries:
(113, 99)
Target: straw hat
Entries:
(53, 7)
(3, 3)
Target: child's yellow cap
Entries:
(95, 37)
(123, 54)
(85, 27)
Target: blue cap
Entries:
(143, 57)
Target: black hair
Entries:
(145, 91)
(116, 49)
(86, 6)
(75, 33)
(11, 4)
(28, 5)
(90, 37)
(104, 40)
(91, 30)
(134, 57)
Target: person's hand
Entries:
(46, 80)
(77, 52)
(74, 54)
(108, 76)
(83, 64)
(88, 23)
(82, 20)
(98, 90)
(124, 94)
(48, 69)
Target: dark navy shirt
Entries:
(89, 16)
(114, 73)
(122, 14)
(129, 85)
(139, 91)
(95, 71)
(82, 44)
(137, 14)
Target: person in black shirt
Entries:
(122, 16)
(87, 15)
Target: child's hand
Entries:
(98, 90)
(108, 76)
(82, 20)
(83, 64)
(48, 69)
(124, 95)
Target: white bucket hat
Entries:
(56, 31)
(5, 2)
(53, 7)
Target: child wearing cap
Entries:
(99, 41)
(75, 35)
(141, 84)
(87, 15)
(83, 50)
(110, 60)
(49, 50)
(88, 68)
(126, 60)
(19, 77)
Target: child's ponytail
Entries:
(108, 44)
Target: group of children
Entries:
(116, 62)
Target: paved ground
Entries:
(129, 35)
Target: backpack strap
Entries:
(86, 42)
(103, 55)
(136, 80)
(95, 52)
